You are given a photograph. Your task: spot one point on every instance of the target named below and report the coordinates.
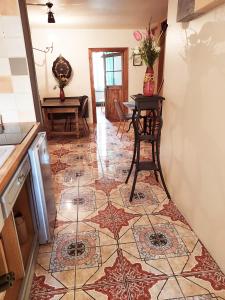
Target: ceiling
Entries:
(99, 14)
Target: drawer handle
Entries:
(20, 179)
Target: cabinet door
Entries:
(3, 266)
(12, 248)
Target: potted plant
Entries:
(149, 51)
(62, 82)
(62, 71)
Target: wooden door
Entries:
(113, 65)
(112, 92)
(124, 94)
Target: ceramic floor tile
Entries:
(67, 278)
(69, 211)
(44, 282)
(87, 277)
(80, 250)
(108, 248)
(159, 241)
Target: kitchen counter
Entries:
(12, 163)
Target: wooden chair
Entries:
(83, 113)
(123, 117)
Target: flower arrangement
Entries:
(149, 48)
(62, 81)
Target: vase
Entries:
(61, 94)
(149, 83)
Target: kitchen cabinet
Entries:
(18, 244)
(19, 253)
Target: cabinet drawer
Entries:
(10, 194)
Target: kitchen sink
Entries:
(5, 152)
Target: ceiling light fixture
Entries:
(49, 5)
(51, 18)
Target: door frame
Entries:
(124, 51)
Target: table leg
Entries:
(77, 122)
(47, 122)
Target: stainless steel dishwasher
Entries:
(43, 188)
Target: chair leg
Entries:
(160, 172)
(84, 126)
(70, 124)
(131, 122)
(52, 121)
(118, 128)
(65, 126)
(87, 124)
(133, 162)
(124, 122)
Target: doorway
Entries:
(109, 79)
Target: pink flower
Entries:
(137, 36)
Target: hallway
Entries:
(107, 248)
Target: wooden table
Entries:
(56, 106)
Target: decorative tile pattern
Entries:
(40, 285)
(106, 185)
(85, 199)
(122, 279)
(143, 195)
(158, 242)
(106, 248)
(70, 250)
(112, 218)
(170, 210)
(207, 269)
(58, 166)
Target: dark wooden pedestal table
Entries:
(150, 132)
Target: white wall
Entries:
(193, 143)
(73, 45)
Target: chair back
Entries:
(84, 107)
(119, 110)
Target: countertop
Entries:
(12, 163)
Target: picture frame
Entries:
(137, 60)
(188, 10)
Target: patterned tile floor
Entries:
(108, 248)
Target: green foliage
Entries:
(149, 51)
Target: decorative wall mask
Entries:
(61, 67)
(62, 71)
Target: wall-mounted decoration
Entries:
(137, 60)
(62, 71)
(188, 10)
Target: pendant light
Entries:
(49, 5)
(51, 18)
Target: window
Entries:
(113, 68)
